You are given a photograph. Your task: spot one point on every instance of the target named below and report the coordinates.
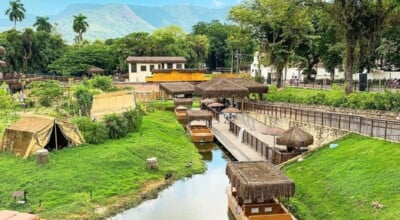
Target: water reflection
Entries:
(201, 197)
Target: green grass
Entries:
(111, 171)
(342, 183)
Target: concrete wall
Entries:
(322, 135)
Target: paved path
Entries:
(240, 151)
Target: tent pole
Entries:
(55, 134)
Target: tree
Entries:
(16, 12)
(80, 26)
(47, 92)
(43, 24)
(28, 48)
(279, 25)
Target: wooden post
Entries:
(386, 129)
(359, 127)
(372, 127)
(340, 117)
(55, 134)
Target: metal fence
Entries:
(381, 128)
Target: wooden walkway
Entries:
(240, 151)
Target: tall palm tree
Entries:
(43, 24)
(80, 25)
(16, 12)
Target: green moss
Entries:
(342, 183)
(108, 171)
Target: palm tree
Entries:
(80, 25)
(43, 24)
(16, 12)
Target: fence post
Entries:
(372, 127)
(340, 117)
(386, 129)
(359, 129)
(322, 118)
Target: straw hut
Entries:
(219, 87)
(2, 50)
(92, 70)
(251, 85)
(177, 88)
(295, 138)
(259, 180)
(199, 115)
(183, 101)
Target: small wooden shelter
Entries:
(251, 85)
(220, 87)
(177, 88)
(92, 70)
(254, 190)
(295, 137)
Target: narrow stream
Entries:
(201, 197)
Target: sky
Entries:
(52, 7)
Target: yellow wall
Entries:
(177, 76)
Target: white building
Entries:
(141, 67)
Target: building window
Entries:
(179, 66)
(133, 66)
(169, 65)
(143, 68)
(151, 67)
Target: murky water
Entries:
(201, 197)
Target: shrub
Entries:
(134, 118)
(93, 132)
(117, 125)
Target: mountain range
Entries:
(118, 20)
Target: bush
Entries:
(117, 126)
(93, 132)
(134, 118)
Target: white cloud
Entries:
(218, 3)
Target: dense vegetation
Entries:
(389, 101)
(79, 180)
(349, 181)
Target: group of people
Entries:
(229, 116)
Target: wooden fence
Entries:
(381, 128)
(271, 154)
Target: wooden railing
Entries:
(373, 127)
(269, 153)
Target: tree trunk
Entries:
(279, 70)
(333, 75)
(349, 64)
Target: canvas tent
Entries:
(114, 102)
(32, 133)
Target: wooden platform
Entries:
(231, 143)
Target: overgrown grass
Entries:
(343, 182)
(6, 118)
(109, 171)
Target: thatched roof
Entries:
(3, 64)
(231, 110)
(183, 101)
(177, 88)
(94, 69)
(259, 180)
(251, 85)
(135, 59)
(275, 131)
(181, 107)
(215, 104)
(198, 115)
(219, 87)
(2, 50)
(205, 101)
(295, 137)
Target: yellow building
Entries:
(178, 75)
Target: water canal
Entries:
(200, 197)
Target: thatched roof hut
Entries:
(3, 64)
(177, 88)
(295, 137)
(94, 70)
(199, 115)
(219, 87)
(2, 50)
(183, 101)
(251, 85)
(259, 180)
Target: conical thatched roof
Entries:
(259, 180)
(2, 50)
(219, 87)
(198, 115)
(94, 70)
(251, 85)
(295, 137)
(215, 104)
(177, 88)
(231, 110)
(183, 101)
(273, 131)
(2, 63)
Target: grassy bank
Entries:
(80, 181)
(343, 182)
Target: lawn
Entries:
(79, 181)
(343, 182)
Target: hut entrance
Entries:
(57, 139)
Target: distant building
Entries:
(142, 67)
